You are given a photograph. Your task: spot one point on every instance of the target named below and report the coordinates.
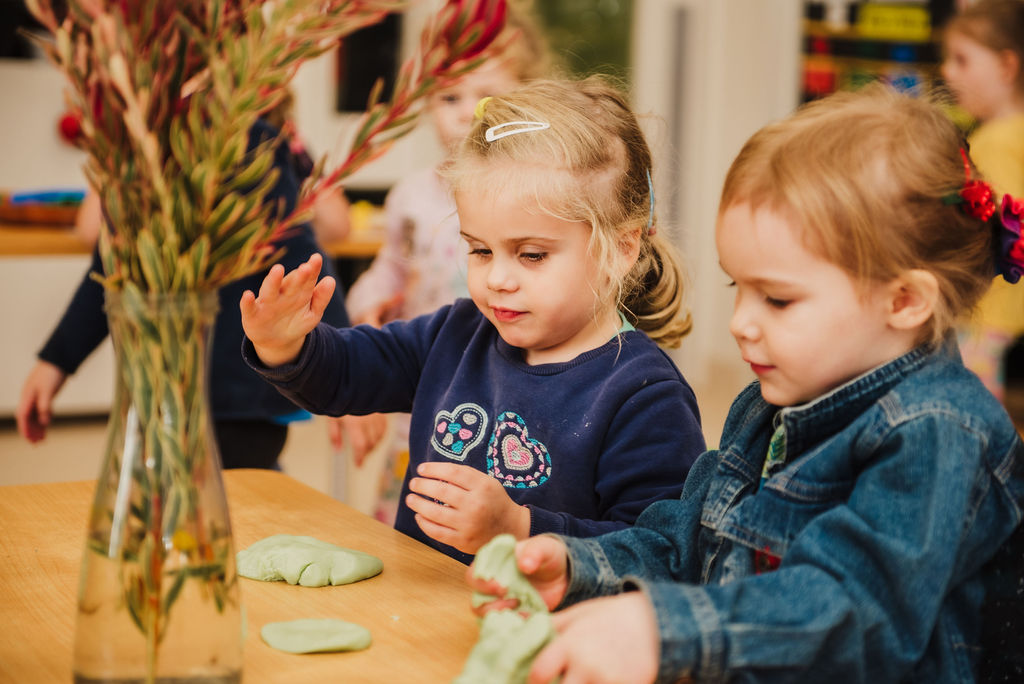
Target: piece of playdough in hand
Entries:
(509, 639)
(306, 561)
(506, 647)
(316, 636)
(496, 560)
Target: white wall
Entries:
(31, 153)
(32, 101)
(328, 132)
(710, 73)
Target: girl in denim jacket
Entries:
(845, 529)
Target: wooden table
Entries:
(417, 609)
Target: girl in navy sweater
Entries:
(543, 403)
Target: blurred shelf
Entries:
(27, 239)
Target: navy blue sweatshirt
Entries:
(586, 444)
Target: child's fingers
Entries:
(542, 553)
(458, 475)
(335, 433)
(429, 507)
(271, 284)
(498, 604)
(437, 490)
(551, 662)
(303, 277)
(489, 586)
(315, 262)
(445, 535)
(530, 555)
(247, 304)
(322, 293)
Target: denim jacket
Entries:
(898, 487)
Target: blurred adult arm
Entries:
(331, 220)
(81, 329)
(362, 433)
(34, 407)
(89, 219)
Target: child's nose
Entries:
(944, 68)
(467, 112)
(500, 276)
(742, 325)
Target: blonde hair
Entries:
(996, 24)
(593, 166)
(864, 175)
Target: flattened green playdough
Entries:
(509, 640)
(306, 561)
(316, 636)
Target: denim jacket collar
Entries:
(812, 422)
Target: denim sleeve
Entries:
(860, 589)
(599, 565)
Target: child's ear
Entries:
(913, 297)
(629, 248)
(1009, 65)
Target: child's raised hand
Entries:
(542, 560)
(608, 639)
(463, 507)
(287, 308)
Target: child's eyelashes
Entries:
(776, 303)
(527, 257)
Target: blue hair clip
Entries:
(650, 213)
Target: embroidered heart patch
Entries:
(456, 433)
(514, 458)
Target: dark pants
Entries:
(249, 443)
(1002, 614)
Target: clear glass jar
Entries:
(158, 596)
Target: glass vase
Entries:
(158, 596)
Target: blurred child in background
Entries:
(984, 67)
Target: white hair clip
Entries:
(495, 132)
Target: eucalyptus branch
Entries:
(168, 91)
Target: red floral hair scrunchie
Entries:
(977, 199)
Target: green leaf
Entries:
(149, 260)
(172, 593)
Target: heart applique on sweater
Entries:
(513, 457)
(456, 433)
